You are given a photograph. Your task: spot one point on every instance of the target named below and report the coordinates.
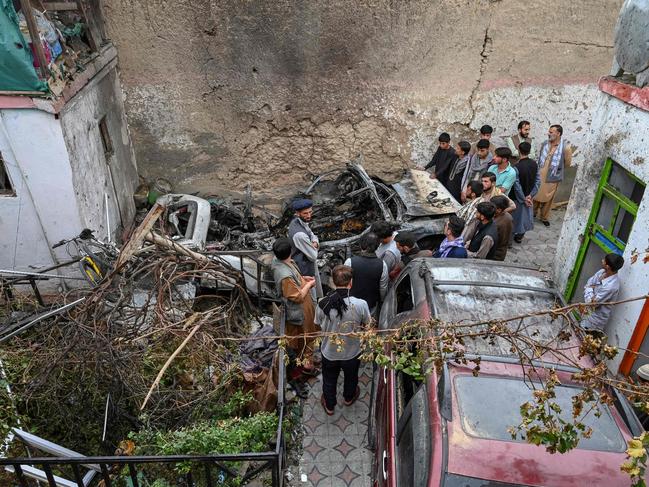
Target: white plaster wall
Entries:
(502, 107)
(621, 132)
(44, 209)
(91, 168)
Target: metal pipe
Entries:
(36, 274)
(40, 318)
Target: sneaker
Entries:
(329, 412)
(353, 400)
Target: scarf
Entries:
(556, 157)
(478, 165)
(446, 246)
(467, 212)
(459, 166)
(335, 300)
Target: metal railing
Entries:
(260, 269)
(206, 470)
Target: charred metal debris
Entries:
(346, 202)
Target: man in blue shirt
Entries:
(504, 171)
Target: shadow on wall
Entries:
(565, 188)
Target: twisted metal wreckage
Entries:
(169, 276)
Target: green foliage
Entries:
(223, 436)
(233, 435)
(234, 406)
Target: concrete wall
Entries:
(219, 94)
(44, 209)
(96, 173)
(618, 131)
(61, 173)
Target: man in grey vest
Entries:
(555, 155)
(304, 242)
(515, 140)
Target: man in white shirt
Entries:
(603, 287)
(388, 250)
(340, 313)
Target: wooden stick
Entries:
(138, 236)
(26, 7)
(190, 321)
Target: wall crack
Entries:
(582, 44)
(484, 59)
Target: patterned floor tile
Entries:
(334, 447)
(349, 473)
(318, 475)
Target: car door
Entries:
(399, 309)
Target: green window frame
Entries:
(602, 236)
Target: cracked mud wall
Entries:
(221, 93)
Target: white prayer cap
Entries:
(643, 372)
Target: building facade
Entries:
(609, 212)
(66, 159)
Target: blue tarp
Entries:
(17, 72)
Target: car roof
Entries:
(523, 463)
(467, 291)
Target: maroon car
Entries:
(451, 430)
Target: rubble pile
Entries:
(147, 347)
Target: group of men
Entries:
(531, 183)
(501, 190)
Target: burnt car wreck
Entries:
(346, 202)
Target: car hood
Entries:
(522, 463)
(417, 191)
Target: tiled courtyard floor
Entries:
(540, 244)
(334, 447)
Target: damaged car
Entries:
(346, 202)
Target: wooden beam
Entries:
(91, 36)
(138, 236)
(36, 38)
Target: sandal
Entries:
(353, 400)
(329, 412)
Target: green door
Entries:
(609, 225)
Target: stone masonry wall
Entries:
(222, 93)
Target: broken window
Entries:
(404, 295)
(105, 137)
(6, 188)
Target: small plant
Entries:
(224, 436)
(636, 465)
